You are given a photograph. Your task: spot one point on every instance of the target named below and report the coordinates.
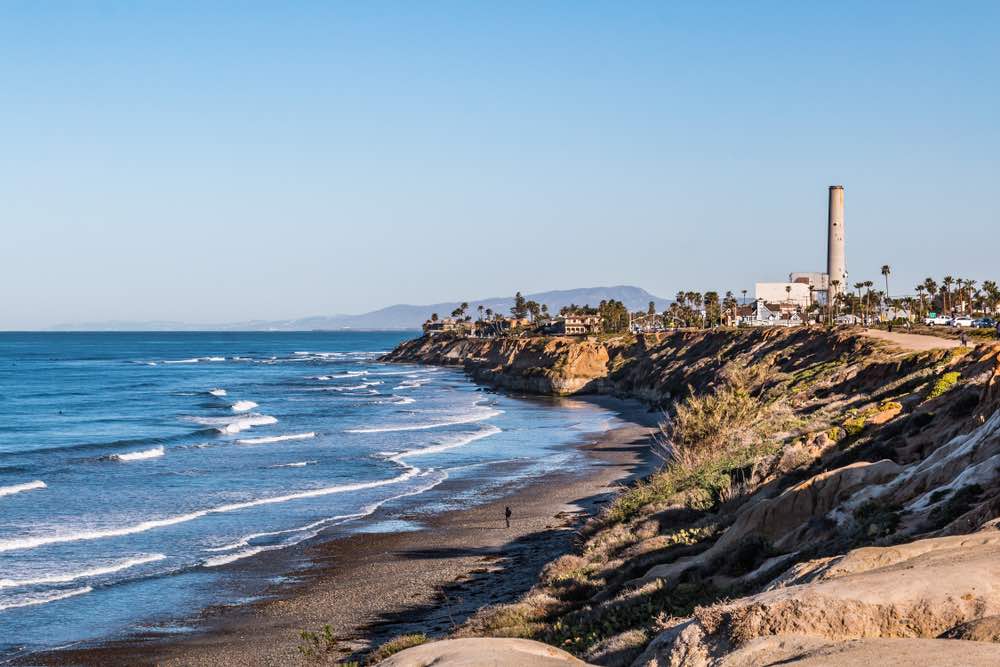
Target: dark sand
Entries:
(371, 587)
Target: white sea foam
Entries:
(83, 574)
(217, 392)
(213, 359)
(18, 488)
(447, 443)
(234, 424)
(32, 542)
(411, 384)
(243, 406)
(181, 361)
(297, 464)
(138, 456)
(467, 419)
(276, 438)
(308, 531)
(404, 400)
(41, 598)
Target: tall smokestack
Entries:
(836, 266)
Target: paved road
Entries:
(914, 342)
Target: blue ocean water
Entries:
(140, 472)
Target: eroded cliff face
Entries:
(831, 500)
(653, 367)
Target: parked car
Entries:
(938, 321)
(985, 323)
(962, 321)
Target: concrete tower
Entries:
(836, 266)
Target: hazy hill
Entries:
(400, 316)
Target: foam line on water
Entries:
(83, 574)
(308, 531)
(276, 438)
(33, 542)
(453, 443)
(489, 414)
(297, 464)
(18, 488)
(42, 598)
(217, 392)
(153, 453)
(243, 406)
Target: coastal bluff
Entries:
(827, 498)
(653, 368)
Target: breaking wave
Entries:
(83, 574)
(243, 406)
(153, 453)
(446, 444)
(297, 464)
(217, 392)
(21, 543)
(310, 530)
(276, 438)
(42, 598)
(478, 417)
(18, 488)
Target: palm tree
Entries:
(434, 317)
(858, 287)
(886, 270)
(946, 284)
(480, 309)
(788, 293)
(744, 297)
(920, 292)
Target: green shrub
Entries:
(396, 645)
(944, 384)
(315, 645)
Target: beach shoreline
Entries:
(372, 586)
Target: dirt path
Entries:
(912, 342)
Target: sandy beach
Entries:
(373, 586)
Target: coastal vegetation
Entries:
(782, 450)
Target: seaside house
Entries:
(763, 314)
(447, 325)
(577, 325)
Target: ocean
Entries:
(145, 476)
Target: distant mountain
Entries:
(398, 317)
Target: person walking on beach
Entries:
(506, 515)
(964, 339)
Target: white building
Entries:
(792, 292)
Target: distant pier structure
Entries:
(836, 261)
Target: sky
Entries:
(224, 161)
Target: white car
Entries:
(938, 321)
(963, 321)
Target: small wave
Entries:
(83, 574)
(42, 598)
(243, 406)
(18, 488)
(453, 443)
(153, 453)
(21, 543)
(213, 359)
(308, 531)
(411, 384)
(403, 400)
(276, 438)
(234, 424)
(181, 361)
(217, 392)
(297, 464)
(488, 414)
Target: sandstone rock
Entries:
(478, 652)
(920, 590)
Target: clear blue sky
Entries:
(211, 161)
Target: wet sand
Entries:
(370, 587)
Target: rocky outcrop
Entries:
(478, 652)
(923, 589)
